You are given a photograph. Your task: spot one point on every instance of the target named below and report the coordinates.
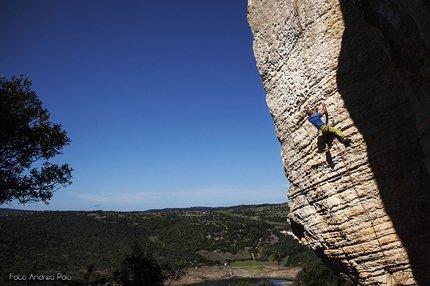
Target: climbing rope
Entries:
(365, 210)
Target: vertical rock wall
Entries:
(365, 208)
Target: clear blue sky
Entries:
(161, 98)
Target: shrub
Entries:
(315, 273)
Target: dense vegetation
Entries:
(315, 273)
(140, 268)
(91, 246)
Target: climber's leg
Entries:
(335, 131)
(322, 146)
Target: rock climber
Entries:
(325, 132)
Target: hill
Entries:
(76, 242)
(6, 211)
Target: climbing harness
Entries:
(365, 210)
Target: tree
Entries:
(141, 268)
(28, 140)
(315, 273)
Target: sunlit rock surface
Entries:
(369, 61)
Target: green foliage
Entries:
(140, 268)
(315, 273)
(90, 278)
(286, 246)
(67, 242)
(175, 273)
(26, 137)
(265, 283)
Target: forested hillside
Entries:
(94, 243)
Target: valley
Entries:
(245, 241)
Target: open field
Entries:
(200, 275)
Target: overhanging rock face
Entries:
(366, 208)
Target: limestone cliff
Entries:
(364, 208)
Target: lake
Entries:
(276, 282)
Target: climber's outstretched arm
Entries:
(324, 111)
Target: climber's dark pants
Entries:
(325, 132)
